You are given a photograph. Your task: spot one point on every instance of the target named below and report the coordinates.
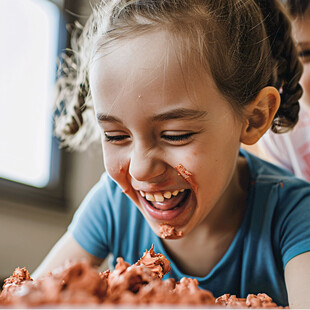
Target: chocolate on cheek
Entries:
(188, 176)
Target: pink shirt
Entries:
(290, 150)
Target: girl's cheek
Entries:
(114, 164)
(189, 158)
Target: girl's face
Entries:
(153, 117)
(301, 30)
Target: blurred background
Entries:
(40, 185)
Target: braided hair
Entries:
(289, 68)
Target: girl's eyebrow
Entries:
(101, 117)
(186, 114)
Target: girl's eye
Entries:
(304, 55)
(178, 139)
(116, 139)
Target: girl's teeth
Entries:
(175, 192)
(149, 197)
(159, 197)
(167, 195)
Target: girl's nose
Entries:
(146, 166)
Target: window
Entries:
(30, 44)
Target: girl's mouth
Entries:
(165, 206)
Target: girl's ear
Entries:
(259, 115)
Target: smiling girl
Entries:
(175, 87)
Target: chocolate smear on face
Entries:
(167, 231)
(188, 176)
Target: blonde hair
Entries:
(245, 45)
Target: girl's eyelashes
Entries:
(116, 138)
(175, 139)
(178, 139)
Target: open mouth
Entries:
(165, 206)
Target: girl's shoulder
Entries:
(273, 180)
(276, 190)
(261, 169)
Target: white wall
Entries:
(28, 233)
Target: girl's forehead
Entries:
(138, 81)
(148, 71)
(153, 57)
(159, 44)
(150, 56)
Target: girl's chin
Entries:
(177, 217)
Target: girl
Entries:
(292, 150)
(175, 87)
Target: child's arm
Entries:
(297, 278)
(65, 249)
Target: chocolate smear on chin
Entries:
(167, 231)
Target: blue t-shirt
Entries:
(275, 228)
